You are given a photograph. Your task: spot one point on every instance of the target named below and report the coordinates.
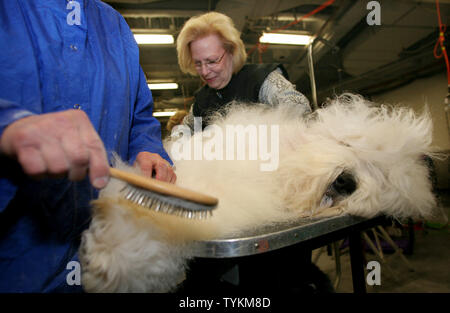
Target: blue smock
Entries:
(57, 55)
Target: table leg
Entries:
(357, 262)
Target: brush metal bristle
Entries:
(166, 204)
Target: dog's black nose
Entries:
(345, 184)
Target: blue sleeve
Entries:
(20, 94)
(9, 113)
(19, 80)
(146, 129)
(145, 132)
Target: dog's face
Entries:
(400, 189)
(364, 160)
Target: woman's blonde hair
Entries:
(206, 24)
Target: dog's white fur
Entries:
(128, 248)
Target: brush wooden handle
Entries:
(162, 187)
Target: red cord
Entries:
(263, 47)
(440, 41)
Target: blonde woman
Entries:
(209, 46)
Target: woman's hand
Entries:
(153, 162)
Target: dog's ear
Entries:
(409, 190)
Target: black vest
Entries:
(243, 86)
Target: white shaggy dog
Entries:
(349, 157)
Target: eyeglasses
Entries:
(208, 63)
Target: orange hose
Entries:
(441, 42)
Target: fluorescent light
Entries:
(153, 39)
(286, 39)
(159, 86)
(164, 113)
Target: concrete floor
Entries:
(430, 261)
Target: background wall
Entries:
(431, 90)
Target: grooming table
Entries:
(305, 234)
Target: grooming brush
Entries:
(164, 197)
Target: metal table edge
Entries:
(306, 229)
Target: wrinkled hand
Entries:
(57, 144)
(149, 162)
